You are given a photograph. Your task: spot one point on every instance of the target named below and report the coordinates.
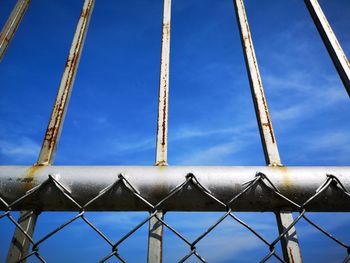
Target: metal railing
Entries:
(160, 189)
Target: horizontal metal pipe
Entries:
(155, 183)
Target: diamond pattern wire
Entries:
(189, 183)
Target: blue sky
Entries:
(112, 115)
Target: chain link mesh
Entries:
(190, 182)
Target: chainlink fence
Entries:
(25, 247)
(190, 183)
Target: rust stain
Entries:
(268, 124)
(263, 99)
(286, 179)
(84, 13)
(163, 108)
(163, 167)
(164, 121)
(166, 30)
(31, 172)
(161, 164)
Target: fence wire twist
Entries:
(189, 183)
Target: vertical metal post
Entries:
(54, 128)
(155, 238)
(290, 246)
(162, 127)
(267, 135)
(331, 42)
(20, 244)
(12, 24)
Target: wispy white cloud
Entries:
(21, 148)
(232, 141)
(226, 247)
(135, 145)
(193, 132)
(185, 133)
(297, 81)
(331, 147)
(306, 100)
(330, 141)
(214, 154)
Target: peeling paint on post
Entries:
(290, 245)
(20, 244)
(155, 235)
(331, 42)
(12, 24)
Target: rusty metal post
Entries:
(20, 244)
(12, 24)
(290, 246)
(331, 42)
(155, 238)
(262, 114)
(162, 127)
(54, 128)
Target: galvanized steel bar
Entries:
(12, 24)
(154, 183)
(20, 244)
(331, 42)
(54, 128)
(155, 237)
(290, 246)
(289, 242)
(162, 127)
(265, 126)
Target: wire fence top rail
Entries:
(123, 192)
(114, 188)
